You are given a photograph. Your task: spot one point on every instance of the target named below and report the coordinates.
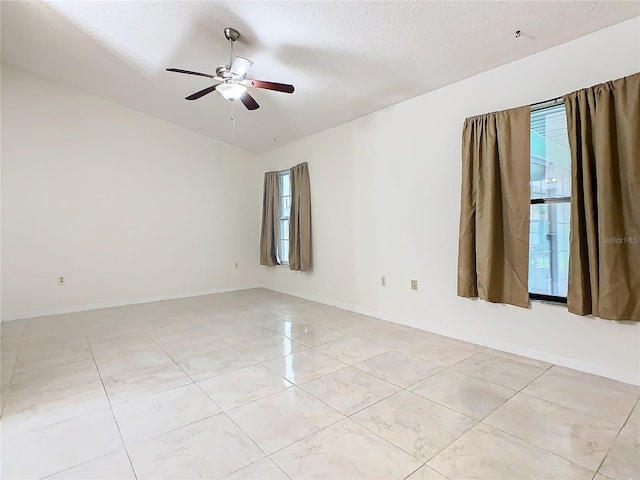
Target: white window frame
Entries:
(549, 201)
(282, 217)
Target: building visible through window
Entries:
(550, 204)
(284, 208)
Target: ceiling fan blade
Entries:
(241, 66)
(278, 87)
(249, 101)
(201, 93)
(177, 70)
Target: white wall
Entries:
(124, 206)
(385, 201)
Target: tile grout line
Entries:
(478, 421)
(481, 421)
(13, 368)
(405, 389)
(539, 447)
(401, 389)
(15, 363)
(527, 441)
(636, 405)
(113, 414)
(578, 380)
(293, 385)
(155, 435)
(440, 369)
(193, 381)
(368, 406)
(517, 391)
(543, 370)
(222, 411)
(385, 398)
(306, 436)
(353, 335)
(266, 457)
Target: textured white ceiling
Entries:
(346, 59)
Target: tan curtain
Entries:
(269, 231)
(300, 219)
(604, 246)
(494, 215)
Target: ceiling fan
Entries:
(233, 84)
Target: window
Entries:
(550, 204)
(284, 208)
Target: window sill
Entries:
(552, 303)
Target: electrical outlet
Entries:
(383, 281)
(60, 280)
(414, 284)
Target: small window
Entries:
(550, 204)
(284, 208)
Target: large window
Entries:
(284, 208)
(550, 204)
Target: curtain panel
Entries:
(604, 245)
(269, 230)
(300, 219)
(495, 202)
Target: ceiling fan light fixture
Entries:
(231, 91)
(240, 66)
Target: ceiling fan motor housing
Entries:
(224, 72)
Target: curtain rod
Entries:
(546, 104)
(279, 171)
(284, 169)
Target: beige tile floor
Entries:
(258, 385)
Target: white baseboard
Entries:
(587, 367)
(120, 303)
